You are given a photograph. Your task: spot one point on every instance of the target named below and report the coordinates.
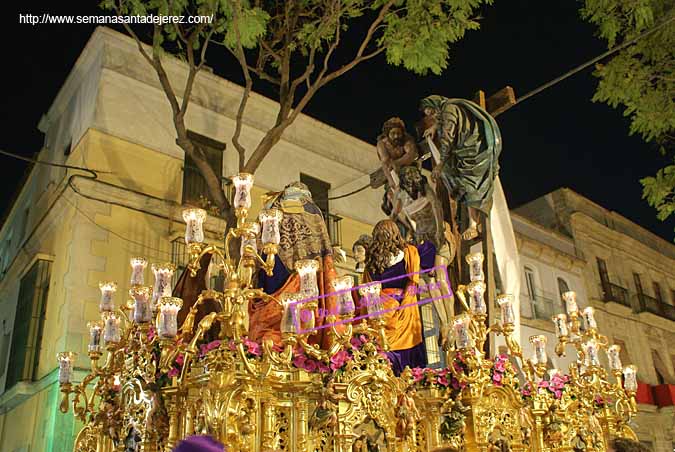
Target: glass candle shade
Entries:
(371, 298)
(270, 219)
(243, 182)
(552, 373)
(461, 329)
(307, 269)
(477, 297)
(289, 317)
(66, 362)
(138, 265)
(345, 302)
(505, 303)
(142, 309)
(167, 322)
(251, 241)
(589, 318)
(570, 302)
(560, 322)
(614, 358)
(162, 288)
(630, 378)
(194, 225)
(591, 355)
(475, 261)
(95, 335)
(111, 329)
(108, 289)
(539, 343)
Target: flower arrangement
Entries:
(555, 385)
(501, 362)
(600, 402)
(435, 378)
(252, 348)
(337, 363)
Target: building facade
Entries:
(625, 272)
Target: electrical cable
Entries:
(58, 165)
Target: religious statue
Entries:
(360, 444)
(397, 264)
(468, 142)
(407, 413)
(359, 248)
(396, 149)
(157, 419)
(303, 236)
(325, 413)
(133, 440)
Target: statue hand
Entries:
(430, 132)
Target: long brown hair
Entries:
(387, 242)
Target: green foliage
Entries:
(641, 80)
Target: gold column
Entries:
(268, 425)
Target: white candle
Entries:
(66, 362)
(95, 329)
(243, 182)
(345, 302)
(630, 378)
(163, 274)
(477, 297)
(111, 330)
(270, 220)
(168, 316)
(138, 265)
(589, 318)
(108, 289)
(570, 302)
(505, 302)
(372, 298)
(475, 261)
(307, 269)
(289, 319)
(250, 241)
(613, 355)
(560, 322)
(539, 342)
(591, 353)
(194, 225)
(461, 327)
(142, 310)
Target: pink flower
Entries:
(363, 339)
(299, 361)
(339, 359)
(323, 368)
(557, 393)
(356, 343)
(151, 333)
(443, 380)
(497, 378)
(231, 345)
(180, 359)
(526, 392)
(418, 374)
(254, 349)
(543, 384)
(173, 372)
(310, 365)
(499, 366)
(203, 350)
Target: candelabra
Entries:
(161, 381)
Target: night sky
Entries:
(557, 138)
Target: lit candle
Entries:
(371, 298)
(589, 318)
(613, 355)
(142, 310)
(591, 353)
(250, 240)
(539, 342)
(475, 261)
(630, 378)
(570, 302)
(345, 302)
(289, 317)
(111, 330)
(242, 185)
(307, 269)
(66, 362)
(461, 327)
(505, 302)
(560, 322)
(167, 324)
(138, 265)
(95, 329)
(270, 219)
(163, 274)
(108, 289)
(477, 297)
(194, 225)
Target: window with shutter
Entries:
(195, 189)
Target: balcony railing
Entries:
(615, 293)
(651, 304)
(334, 229)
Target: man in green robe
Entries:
(469, 144)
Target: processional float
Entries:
(153, 382)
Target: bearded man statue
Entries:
(397, 264)
(303, 236)
(469, 143)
